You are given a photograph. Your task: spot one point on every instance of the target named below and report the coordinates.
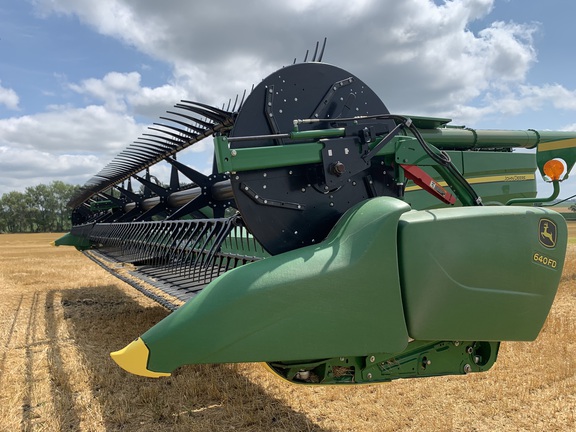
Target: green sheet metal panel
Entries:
(338, 298)
(480, 273)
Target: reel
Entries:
(293, 206)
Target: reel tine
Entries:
(212, 113)
(164, 146)
(183, 132)
(315, 52)
(206, 124)
(211, 108)
(175, 135)
(186, 125)
(243, 97)
(194, 119)
(322, 50)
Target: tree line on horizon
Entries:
(40, 208)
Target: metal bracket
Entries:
(341, 159)
(321, 109)
(269, 202)
(268, 111)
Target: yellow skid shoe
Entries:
(133, 358)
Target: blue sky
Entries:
(80, 80)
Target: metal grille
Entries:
(177, 257)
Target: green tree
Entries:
(40, 208)
(15, 212)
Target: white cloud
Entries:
(111, 89)
(21, 168)
(417, 55)
(9, 98)
(122, 92)
(63, 130)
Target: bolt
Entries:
(338, 168)
(354, 183)
(326, 188)
(303, 189)
(342, 358)
(233, 153)
(237, 177)
(331, 204)
(265, 175)
(369, 376)
(372, 359)
(469, 350)
(467, 368)
(456, 343)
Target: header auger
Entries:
(334, 241)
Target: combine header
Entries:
(334, 241)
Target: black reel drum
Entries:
(293, 206)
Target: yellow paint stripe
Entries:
(557, 145)
(488, 179)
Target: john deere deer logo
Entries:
(547, 234)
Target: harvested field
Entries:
(61, 315)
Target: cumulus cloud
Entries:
(416, 54)
(122, 92)
(21, 168)
(9, 98)
(71, 130)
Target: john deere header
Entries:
(335, 241)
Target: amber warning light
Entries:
(554, 169)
